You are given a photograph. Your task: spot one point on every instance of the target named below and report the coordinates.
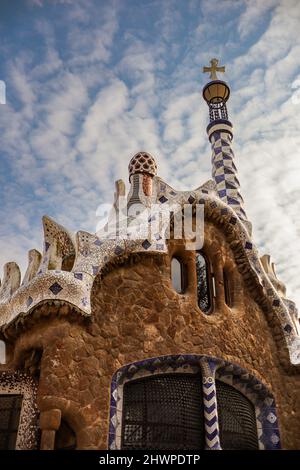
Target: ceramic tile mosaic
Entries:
(34, 261)
(224, 172)
(18, 383)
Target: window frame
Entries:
(228, 288)
(19, 383)
(183, 275)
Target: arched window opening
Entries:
(10, 410)
(65, 438)
(204, 283)
(228, 293)
(237, 420)
(178, 275)
(163, 412)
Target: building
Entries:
(145, 343)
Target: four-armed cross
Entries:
(213, 69)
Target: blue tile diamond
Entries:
(78, 276)
(118, 250)
(55, 288)
(146, 244)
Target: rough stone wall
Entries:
(136, 315)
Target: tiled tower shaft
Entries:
(224, 170)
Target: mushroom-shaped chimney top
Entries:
(142, 162)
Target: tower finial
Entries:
(213, 69)
(216, 92)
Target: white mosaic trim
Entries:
(21, 384)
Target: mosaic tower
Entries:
(220, 134)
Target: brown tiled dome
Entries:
(142, 162)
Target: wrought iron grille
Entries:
(203, 283)
(217, 111)
(237, 421)
(10, 409)
(163, 412)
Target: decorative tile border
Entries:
(211, 369)
(212, 435)
(21, 384)
(71, 287)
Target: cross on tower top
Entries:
(213, 69)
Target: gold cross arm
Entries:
(213, 69)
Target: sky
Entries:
(91, 82)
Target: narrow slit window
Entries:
(204, 284)
(227, 289)
(178, 275)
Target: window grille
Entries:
(10, 409)
(237, 421)
(163, 412)
(203, 283)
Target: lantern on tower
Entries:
(216, 92)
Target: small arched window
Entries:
(228, 293)
(178, 275)
(204, 283)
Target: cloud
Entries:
(253, 15)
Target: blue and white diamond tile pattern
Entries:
(212, 435)
(224, 172)
(211, 369)
(62, 286)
